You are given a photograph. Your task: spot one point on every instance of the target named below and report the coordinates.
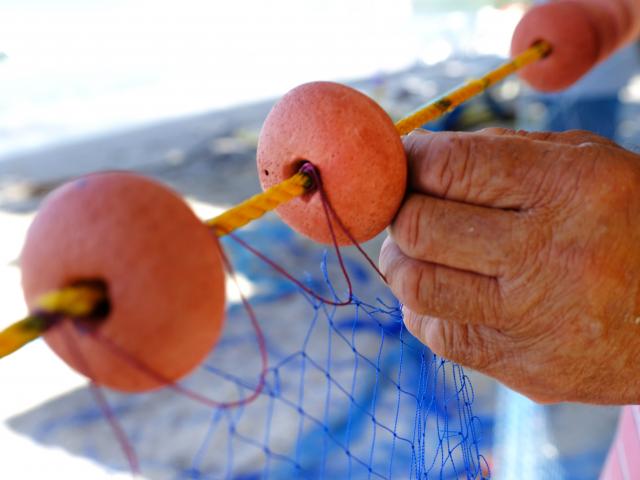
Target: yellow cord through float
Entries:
(256, 206)
(81, 301)
(437, 108)
(20, 333)
(75, 301)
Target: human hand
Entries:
(518, 254)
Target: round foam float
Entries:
(355, 148)
(162, 269)
(581, 34)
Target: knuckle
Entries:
(447, 154)
(407, 283)
(459, 164)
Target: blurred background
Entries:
(178, 91)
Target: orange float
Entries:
(582, 34)
(354, 146)
(162, 269)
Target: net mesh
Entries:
(349, 393)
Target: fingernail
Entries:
(420, 131)
(383, 257)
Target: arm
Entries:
(582, 33)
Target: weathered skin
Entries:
(517, 254)
(354, 145)
(582, 33)
(162, 268)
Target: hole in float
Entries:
(295, 166)
(102, 308)
(299, 166)
(538, 41)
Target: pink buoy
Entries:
(355, 148)
(580, 33)
(161, 266)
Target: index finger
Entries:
(501, 171)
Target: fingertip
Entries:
(397, 270)
(412, 322)
(425, 328)
(414, 141)
(388, 254)
(408, 319)
(420, 146)
(417, 132)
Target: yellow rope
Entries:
(435, 109)
(76, 301)
(20, 333)
(256, 206)
(79, 301)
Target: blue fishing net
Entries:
(348, 393)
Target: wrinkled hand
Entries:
(518, 254)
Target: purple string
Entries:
(330, 214)
(103, 404)
(313, 172)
